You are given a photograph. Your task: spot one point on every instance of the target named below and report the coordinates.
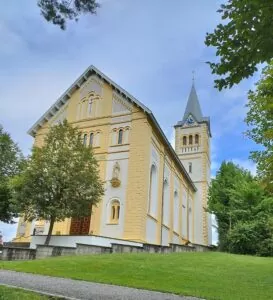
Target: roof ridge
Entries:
(77, 84)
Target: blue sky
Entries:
(147, 47)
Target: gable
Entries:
(120, 105)
(93, 84)
(60, 116)
(190, 121)
(85, 85)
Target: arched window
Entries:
(190, 140)
(184, 140)
(152, 209)
(91, 139)
(85, 139)
(83, 109)
(176, 212)
(166, 202)
(115, 212)
(196, 139)
(190, 167)
(97, 139)
(89, 108)
(184, 215)
(120, 136)
(126, 135)
(113, 136)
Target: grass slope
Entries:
(8, 293)
(207, 275)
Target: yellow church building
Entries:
(153, 193)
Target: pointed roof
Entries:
(78, 83)
(193, 106)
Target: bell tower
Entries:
(192, 145)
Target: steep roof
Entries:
(78, 83)
(193, 108)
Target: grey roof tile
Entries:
(193, 106)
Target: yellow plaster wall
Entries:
(142, 135)
(138, 173)
(167, 158)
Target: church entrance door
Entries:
(80, 226)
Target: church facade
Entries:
(153, 193)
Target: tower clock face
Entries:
(190, 120)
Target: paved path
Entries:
(75, 289)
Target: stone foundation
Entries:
(92, 249)
(43, 251)
(10, 253)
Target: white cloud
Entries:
(246, 164)
(11, 42)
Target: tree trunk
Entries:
(52, 221)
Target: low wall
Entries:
(150, 248)
(182, 248)
(72, 240)
(201, 248)
(92, 249)
(43, 251)
(16, 253)
(118, 248)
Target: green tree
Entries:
(10, 162)
(244, 40)
(61, 179)
(59, 11)
(221, 199)
(243, 210)
(260, 121)
(254, 236)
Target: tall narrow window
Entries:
(83, 109)
(152, 209)
(120, 136)
(85, 139)
(166, 202)
(176, 212)
(97, 139)
(190, 140)
(118, 209)
(196, 139)
(190, 167)
(184, 140)
(115, 212)
(89, 108)
(91, 139)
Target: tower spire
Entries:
(193, 106)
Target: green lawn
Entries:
(8, 293)
(209, 275)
